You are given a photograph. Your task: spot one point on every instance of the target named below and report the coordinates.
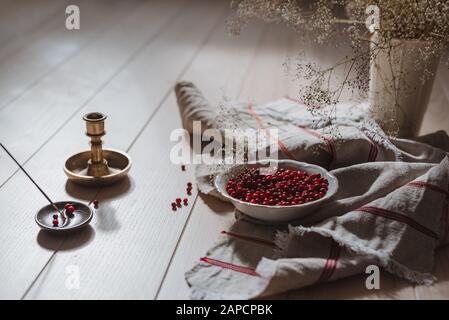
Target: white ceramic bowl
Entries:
(277, 213)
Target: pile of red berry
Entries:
(69, 210)
(185, 201)
(286, 187)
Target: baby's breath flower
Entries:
(320, 20)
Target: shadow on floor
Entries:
(65, 242)
(216, 205)
(114, 191)
(106, 213)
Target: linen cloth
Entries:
(391, 209)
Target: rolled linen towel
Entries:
(194, 107)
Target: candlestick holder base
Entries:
(98, 166)
(76, 168)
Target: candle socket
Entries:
(97, 166)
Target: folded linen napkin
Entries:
(391, 209)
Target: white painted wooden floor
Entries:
(124, 62)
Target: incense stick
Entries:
(34, 182)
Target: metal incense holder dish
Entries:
(78, 220)
(97, 166)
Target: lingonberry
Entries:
(67, 205)
(55, 223)
(189, 184)
(55, 216)
(283, 188)
(95, 202)
(183, 167)
(186, 201)
(70, 209)
(173, 205)
(178, 200)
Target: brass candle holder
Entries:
(97, 166)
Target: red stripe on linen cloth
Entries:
(262, 126)
(231, 266)
(373, 151)
(400, 218)
(327, 141)
(302, 103)
(423, 184)
(331, 263)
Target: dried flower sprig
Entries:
(320, 20)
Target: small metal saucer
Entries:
(79, 219)
(118, 162)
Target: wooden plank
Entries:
(25, 61)
(440, 290)
(62, 93)
(20, 18)
(149, 226)
(209, 217)
(28, 244)
(128, 232)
